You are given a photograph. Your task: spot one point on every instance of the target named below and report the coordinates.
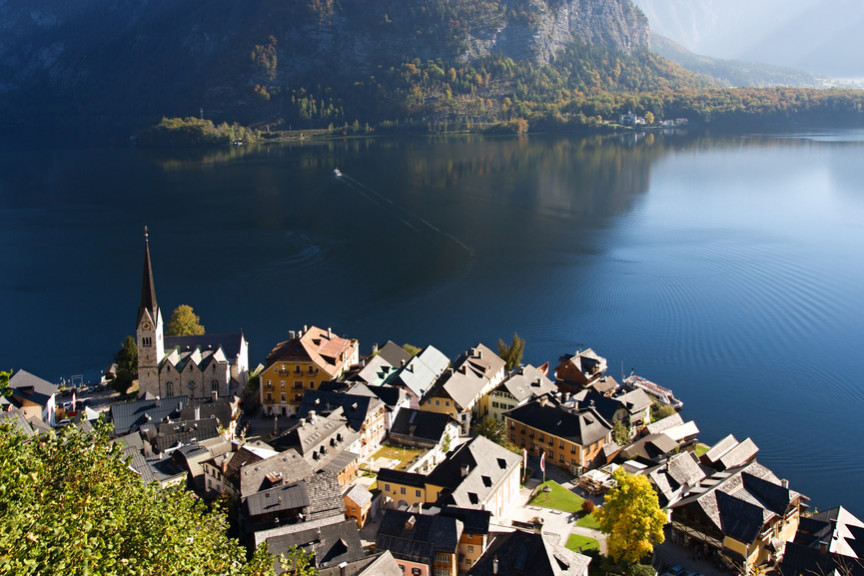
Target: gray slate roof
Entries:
(358, 494)
(527, 382)
(286, 467)
(416, 537)
(230, 344)
(520, 553)
(28, 386)
(18, 421)
(421, 372)
(129, 416)
(393, 354)
(331, 544)
(583, 426)
(420, 424)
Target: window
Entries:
(470, 548)
(572, 449)
(298, 384)
(311, 385)
(446, 403)
(417, 493)
(402, 490)
(523, 429)
(541, 437)
(386, 487)
(441, 571)
(414, 571)
(268, 384)
(269, 397)
(169, 389)
(561, 457)
(442, 558)
(437, 402)
(523, 442)
(298, 397)
(281, 383)
(311, 370)
(513, 438)
(214, 386)
(284, 397)
(561, 445)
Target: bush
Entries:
(587, 507)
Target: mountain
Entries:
(734, 73)
(125, 62)
(820, 37)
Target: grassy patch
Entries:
(588, 522)
(404, 455)
(558, 498)
(576, 541)
(700, 449)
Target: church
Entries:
(195, 366)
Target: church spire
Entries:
(148, 290)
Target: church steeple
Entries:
(148, 289)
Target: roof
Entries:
(148, 289)
(724, 445)
(376, 372)
(650, 447)
(393, 354)
(521, 553)
(668, 422)
(283, 468)
(355, 407)
(420, 424)
(527, 382)
(222, 409)
(246, 454)
(472, 472)
(358, 494)
(326, 350)
(801, 560)
(129, 416)
(838, 527)
(472, 372)
(280, 498)
(320, 438)
(635, 401)
(17, 420)
(171, 434)
(416, 537)
(231, 343)
(745, 451)
(680, 471)
(387, 475)
(331, 544)
(588, 362)
(682, 431)
(474, 521)
(739, 502)
(584, 426)
(28, 386)
(421, 372)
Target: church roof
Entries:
(231, 344)
(148, 289)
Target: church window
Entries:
(191, 385)
(214, 367)
(214, 386)
(146, 342)
(169, 389)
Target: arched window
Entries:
(214, 386)
(169, 389)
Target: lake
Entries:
(728, 268)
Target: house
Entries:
(422, 544)
(475, 533)
(632, 409)
(306, 360)
(429, 430)
(381, 367)
(679, 474)
(834, 531)
(330, 545)
(33, 396)
(478, 474)
(366, 414)
(745, 514)
(132, 416)
(650, 449)
(729, 453)
(325, 443)
(15, 418)
(283, 468)
(571, 436)
(461, 390)
(191, 457)
(222, 473)
(169, 436)
(358, 503)
(420, 373)
(521, 553)
(579, 370)
(163, 471)
(178, 365)
(312, 498)
(521, 386)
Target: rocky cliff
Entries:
(125, 60)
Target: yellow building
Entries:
(303, 362)
(744, 514)
(571, 437)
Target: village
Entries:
(384, 464)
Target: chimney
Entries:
(785, 483)
(343, 568)
(495, 565)
(305, 328)
(465, 470)
(312, 416)
(329, 333)
(214, 395)
(374, 347)
(542, 400)
(409, 524)
(823, 547)
(197, 412)
(292, 334)
(302, 421)
(402, 364)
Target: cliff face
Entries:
(111, 60)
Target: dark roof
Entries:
(278, 499)
(394, 354)
(17, 419)
(801, 560)
(331, 544)
(27, 386)
(416, 537)
(171, 434)
(355, 407)
(231, 343)
(220, 409)
(285, 467)
(129, 416)
(420, 424)
(582, 425)
(474, 521)
(148, 289)
(401, 477)
(358, 494)
(526, 553)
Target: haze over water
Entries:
(726, 268)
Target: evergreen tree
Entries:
(512, 353)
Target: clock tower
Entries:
(151, 345)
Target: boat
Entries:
(657, 392)
(336, 172)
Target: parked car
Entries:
(677, 570)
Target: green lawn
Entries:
(404, 455)
(700, 449)
(588, 522)
(558, 498)
(575, 541)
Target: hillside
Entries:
(308, 62)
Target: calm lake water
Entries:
(727, 268)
